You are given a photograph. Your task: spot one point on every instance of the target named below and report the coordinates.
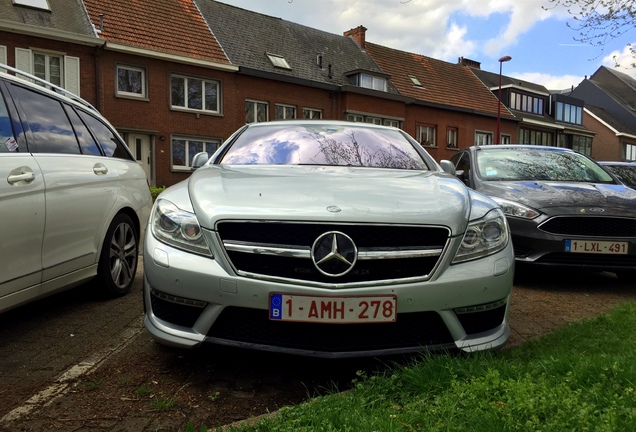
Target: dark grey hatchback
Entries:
(562, 207)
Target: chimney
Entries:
(358, 34)
(468, 62)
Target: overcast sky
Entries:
(541, 45)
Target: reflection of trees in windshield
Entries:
(352, 153)
(626, 173)
(538, 165)
(333, 145)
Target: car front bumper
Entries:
(190, 300)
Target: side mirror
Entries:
(447, 166)
(199, 160)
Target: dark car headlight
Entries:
(511, 208)
(483, 237)
(178, 228)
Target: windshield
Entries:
(627, 173)
(324, 144)
(536, 164)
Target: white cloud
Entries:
(623, 60)
(551, 82)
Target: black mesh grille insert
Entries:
(481, 321)
(253, 326)
(175, 313)
(590, 260)
(366, 237)
(590, 226)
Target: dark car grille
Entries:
(409, 330)
(176, 313)
(590, 226)
(380, 241)
(481, 321)
(607, 262)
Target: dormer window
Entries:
(36, 4)
(369, 81)
(278, 61)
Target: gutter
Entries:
(49, 33)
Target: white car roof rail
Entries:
(20, 73)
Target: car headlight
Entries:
(511, 208)
(483, 237)
(178, 228)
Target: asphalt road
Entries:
(77, 361)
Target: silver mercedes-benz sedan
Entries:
(328, 239)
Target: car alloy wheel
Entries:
(118, 259)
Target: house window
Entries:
(56, 68)
(48, 67)
(569, 113)
(505, 139)
(426, 135)
(255, 111)
(37, 4)
(582, 144)
(355, 118)
(278, 61)
(285, 112)
(194, 94)
(416, 82)
(630, 152)
(131, 81)
(374, 120)
(529, 136)
(3, 56)
(527, 103)
(392, 123)
(451, 137)
(483, 138)
(184, 149)
(369, 81)
(309, 113)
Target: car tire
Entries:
(119, 256)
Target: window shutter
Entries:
(72, 74)
(3, 56)
(23, 60)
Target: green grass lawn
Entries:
(579, 378)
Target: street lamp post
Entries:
(501, 61)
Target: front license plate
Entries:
(334, 310)
(597, 247)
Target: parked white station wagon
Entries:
(73, 200)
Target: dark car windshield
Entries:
(324, 144)
(627, 173)
(509, 164)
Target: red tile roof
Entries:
(443, 83)
(168, 26)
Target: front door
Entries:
(139, 145)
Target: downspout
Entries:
(98, 78)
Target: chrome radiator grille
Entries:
(332, 253)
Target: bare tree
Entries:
(599, 21)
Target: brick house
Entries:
(447, 108)
(610, 104)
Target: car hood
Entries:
(563, 197)
(332, 194)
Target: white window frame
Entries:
(392, 123)
(255, 104)
(427, 135)
(206, 142)
(143, 93)
(312, 114)
(452, 134)
(37, 4)
(289, 112)
(483, 138)
(372, 82)
(204, 81)
(505, 139)
(630, 152)
(70, 67)
(278, 61)
(374, 120)
(3, 56)
(355, 118)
